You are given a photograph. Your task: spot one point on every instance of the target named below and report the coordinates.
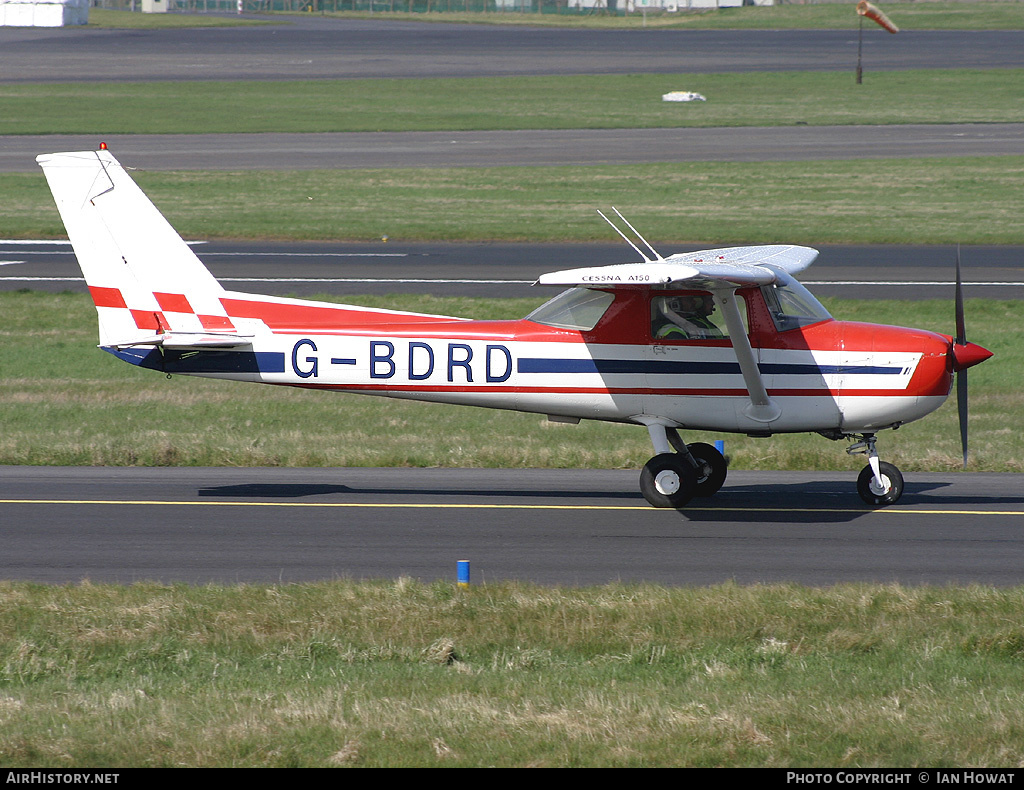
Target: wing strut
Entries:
(762, 408)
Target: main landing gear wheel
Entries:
(667, 480)
(892, 485)
(711, 468)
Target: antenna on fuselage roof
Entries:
(657, 255)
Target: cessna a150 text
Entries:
(719, 340)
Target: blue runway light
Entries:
(463, 574)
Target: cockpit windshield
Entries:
(790, 304)
(577, 308)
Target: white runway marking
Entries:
(383, 281)
(224, 254)
(368, 280)
(33, 242)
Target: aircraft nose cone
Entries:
(968, 355)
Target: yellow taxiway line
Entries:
(485, 506)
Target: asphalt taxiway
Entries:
(509, 270)
(525, 148)
(575, 527)
(305, 47)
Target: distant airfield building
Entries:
(43, 13)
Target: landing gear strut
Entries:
(671, 479)
(879, 483)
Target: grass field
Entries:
(112, 19)
(64, 402)
(472, 103)
(970, 200)
(399, 673)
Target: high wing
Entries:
(729, 267)
(720, 271)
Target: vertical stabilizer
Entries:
(142, 276)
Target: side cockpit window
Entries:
(577, 308)
(689, 316)
(791, 305)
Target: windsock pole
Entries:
(860, 49)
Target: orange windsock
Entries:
(864, 8)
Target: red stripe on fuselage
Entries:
(687, 392)
(314, 318)
(490, 331)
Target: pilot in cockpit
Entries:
(684, 317)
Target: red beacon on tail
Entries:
(718, 340)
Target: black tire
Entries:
(712, 468)
(867, 489)
(668, 481)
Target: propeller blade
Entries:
(961, 410)
(961, 330)
(961, 376)
(964, 355)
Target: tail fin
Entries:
(147, 284)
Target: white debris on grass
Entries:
(682, 96)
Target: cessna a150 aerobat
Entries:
(718, 340)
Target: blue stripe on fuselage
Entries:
(175, 361)
(662, 367)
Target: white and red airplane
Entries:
(630, 343)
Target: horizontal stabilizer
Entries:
(188, 340)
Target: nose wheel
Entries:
(879, 483)
(885, 490)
